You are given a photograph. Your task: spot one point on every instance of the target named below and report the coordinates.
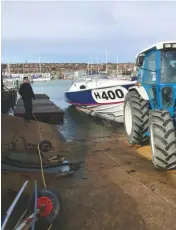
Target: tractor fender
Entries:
(141, 90)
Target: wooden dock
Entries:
(43, 109)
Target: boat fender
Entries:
(65, 168)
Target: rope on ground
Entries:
(38, 128)
(41, 162)
(38, 147)
(50, 227)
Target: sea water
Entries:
(77, 125)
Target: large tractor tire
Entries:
(163, 140)
(136, 118)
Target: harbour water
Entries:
(77, 125)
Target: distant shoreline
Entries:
(59, 68)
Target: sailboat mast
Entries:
(88, 67)
(39, 61)
(98, 67)
(9, 68)
(106, 61)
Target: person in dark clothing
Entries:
(27, 95)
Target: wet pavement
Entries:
(116, 189)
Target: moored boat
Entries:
(99, 95)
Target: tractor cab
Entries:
(157, 73)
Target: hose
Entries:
(18, 164)
(35, 205)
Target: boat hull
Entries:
(105, 103)
(41, 79)
(112, 112)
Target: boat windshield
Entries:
(85, 78)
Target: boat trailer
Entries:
(44, 204)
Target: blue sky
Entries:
(78, 31)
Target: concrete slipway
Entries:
(118, 188)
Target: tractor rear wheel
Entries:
(136, 118)
(163, 140)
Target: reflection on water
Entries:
(80, 126)
(77, 125)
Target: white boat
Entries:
(40, 78)
(12, 79)
(99, 95)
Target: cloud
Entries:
(146, 19)
(78, 29)
(65, 21)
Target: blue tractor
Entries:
(150, 105)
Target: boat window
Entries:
(86, 78)
(101, 77)
(82, 87)
(150, 69)
(168, 66)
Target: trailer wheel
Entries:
(163, 140)
(51, 201)
(136, 118)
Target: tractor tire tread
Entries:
(164, 136)
(140, 117)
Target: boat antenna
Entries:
(39, 61)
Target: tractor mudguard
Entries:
(141, 91)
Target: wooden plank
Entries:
(41, 96)
(44, 110)
(37, 106)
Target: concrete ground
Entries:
(32, 132)
(117, 188)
